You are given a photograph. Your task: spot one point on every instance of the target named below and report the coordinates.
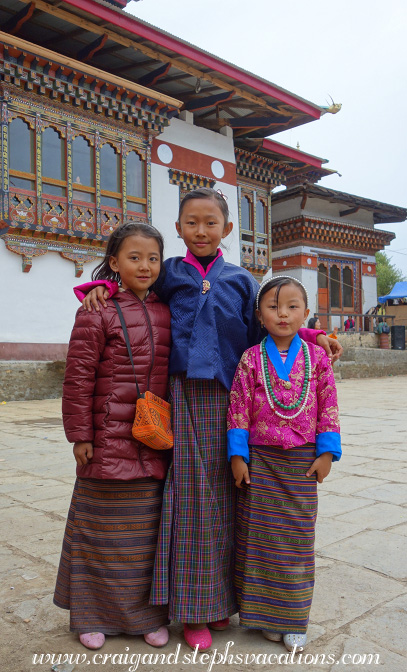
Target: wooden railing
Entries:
(363, 322)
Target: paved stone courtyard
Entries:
(360, 600)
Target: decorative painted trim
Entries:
(328, 233)
(29, 244)
(289, 262)
(369, 269)
(188, 181)
(258, 169)
(191, 161)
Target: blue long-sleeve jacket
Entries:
(211, 330)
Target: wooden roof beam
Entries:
(351, 211)
(14, 24)
(87, 53)
(152, 53)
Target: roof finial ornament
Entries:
(334, 108)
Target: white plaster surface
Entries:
(198, 139)
(39, 306)
(369, 292)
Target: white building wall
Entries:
(198, 139)
(320, 209)
(39, 306)
(369, 292)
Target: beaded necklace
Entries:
(271, 397)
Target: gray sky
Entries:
(352, 50)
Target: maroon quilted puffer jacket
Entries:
(99, 393)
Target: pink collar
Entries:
(190, 259)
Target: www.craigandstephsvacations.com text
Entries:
(133, 662)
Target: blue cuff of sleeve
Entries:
(238, 443)
(329, 442)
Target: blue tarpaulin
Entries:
(399, 291)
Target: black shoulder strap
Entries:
(126, 338)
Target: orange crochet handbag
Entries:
(152, 422)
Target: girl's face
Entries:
(202, 226)
(138, 263)
(317, 324)
(283, 319)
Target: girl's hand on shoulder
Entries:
(321, 466)
(96, 296)
(83, 452)
(332, 347)
(240, 470)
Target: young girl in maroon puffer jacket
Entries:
(110, 539)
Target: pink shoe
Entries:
(219, 625)
(92, 640)
(198, 638)
(158, 638)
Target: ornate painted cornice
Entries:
(328, 233)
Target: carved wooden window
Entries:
(261, 217)
(136, 183)
(335, 287)
(110, 177)
(246, 213)
(83, 170)
(322, 277)
(53, 163)
(22, 155)
(347, 285)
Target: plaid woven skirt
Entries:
(194, 562)
(275, 532)
(107, 559)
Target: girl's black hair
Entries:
(205, 192)
(123, 231)
(279, 283)
(312, 322)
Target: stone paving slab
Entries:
(395, 493)
(332, 504)
(352, 587)
(386, 626)
(377, 516)
(353, 485)
(360, 595)
(378, 550)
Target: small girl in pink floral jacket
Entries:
(283, 428)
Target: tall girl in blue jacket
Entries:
(212, 323)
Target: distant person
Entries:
(350, 324)
(314, 322)
(382, 327)
(334, 333)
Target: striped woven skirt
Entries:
(194, 562)
(275, 532)
(107, 559)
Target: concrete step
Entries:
(371, 363)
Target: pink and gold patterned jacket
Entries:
(251, 420)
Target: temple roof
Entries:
(293, 163)
(383, 213)
(108, 38)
